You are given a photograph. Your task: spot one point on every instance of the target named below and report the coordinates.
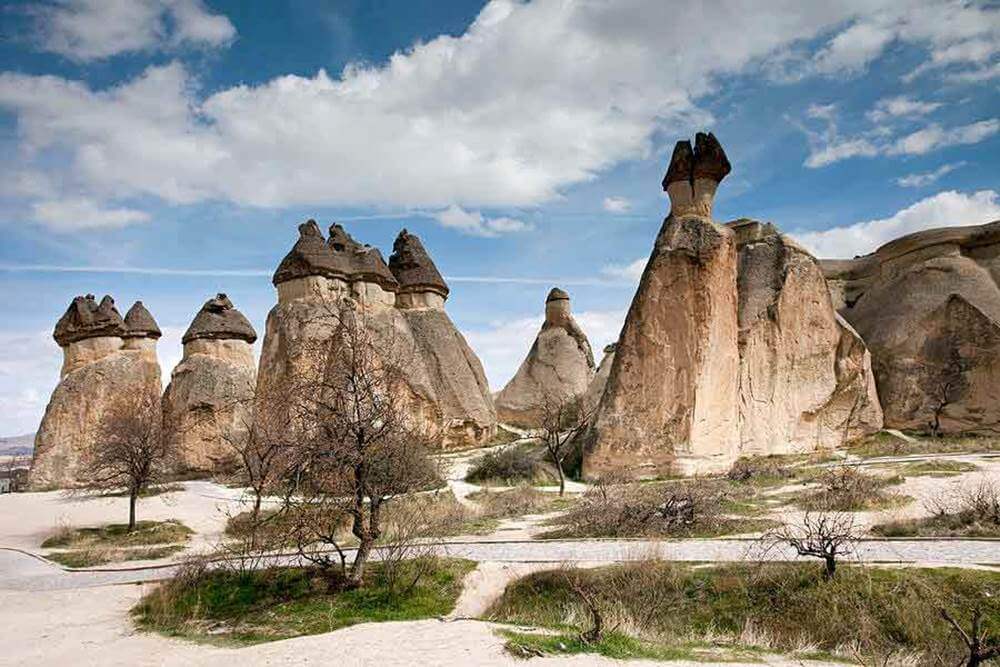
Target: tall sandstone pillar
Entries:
(105, 360)
(207, 407)
(670, 403)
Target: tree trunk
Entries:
(132, 497)
(356, 576)
(831, 567)
(562, 477)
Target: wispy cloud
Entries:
(928, 177)
(616, 205)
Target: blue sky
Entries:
(165, 150)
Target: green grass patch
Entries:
(280, 603)
(781, 607)
(883, 444)
(958, 524)
(91, 557)
(117, 535)
(936, 468)
(614, 645)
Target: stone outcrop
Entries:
(402, 302)
(559, 367)
(805, 375)
(670, 404)
(595, 389)
(928, 307)
(105, 358)
(208, 405)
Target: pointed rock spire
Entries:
(219, 320)
(312, 256)
(85, 318)
(139, 323)
(413, 266)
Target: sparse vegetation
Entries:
(936, 468)
(972, 511)
(762, 471)
(885, 444)
(507, 466)
(503, 437)
(658, 609)
(518, 501)
(94, 556)
(230, 607)
(118, 535)
(689, 508)
(847, 489)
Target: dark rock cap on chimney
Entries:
(219, 320)
(85, 318)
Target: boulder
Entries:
(105, 358)
(559, 367)
(670, 404)
(928, 307)
(805, 376)
(208, 405)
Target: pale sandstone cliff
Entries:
(558, 368)
(207, 407)
(105, 358)
(928, 307)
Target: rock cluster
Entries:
(208, 405)
(105, 358)
(402, 302)
(928, 307)
(559, 367)
(731, 345)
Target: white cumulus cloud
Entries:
(76, 214)
(476, 224)
(86, 30)
(926, 178)
(945, 209)
(934, 137)
(900, 106)
(631, 271)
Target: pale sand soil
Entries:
(93, 629)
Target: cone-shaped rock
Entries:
(595, 389)
(139, 323)
(100, 368)
(559, 366)
(805, 376)
(461, 391)
(207, 407)
(446, 383)
(928, 307)
(670, 403)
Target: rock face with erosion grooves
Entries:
(105, 359)
(670, 404)
(805, 375)
(928, 307)
(559, 367)
(403, 305)
(460, 389)
(207, 407)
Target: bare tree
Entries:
(131, 453)
(945, 384)
(562, 420)
(361, 444)
(824, 535)
(977, 641)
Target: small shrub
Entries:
(760, 470)
(519, 501)
(509, 465)
(847, 489)
(973, 511)
(690, 508)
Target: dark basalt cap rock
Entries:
(85, 318)
(311, 256)
(219, 320)
(139, 323)
(365, 262)
(610, 347)
(413, 267)
(557, 294)
(706, 160)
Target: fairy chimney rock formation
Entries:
(592, 398)
(805, 376)
(461, 392)
(207, 406)
(559, 367)
(105, 358)
(928, 307)
(403, 301)
(670, 404)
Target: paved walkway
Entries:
(22, 571)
